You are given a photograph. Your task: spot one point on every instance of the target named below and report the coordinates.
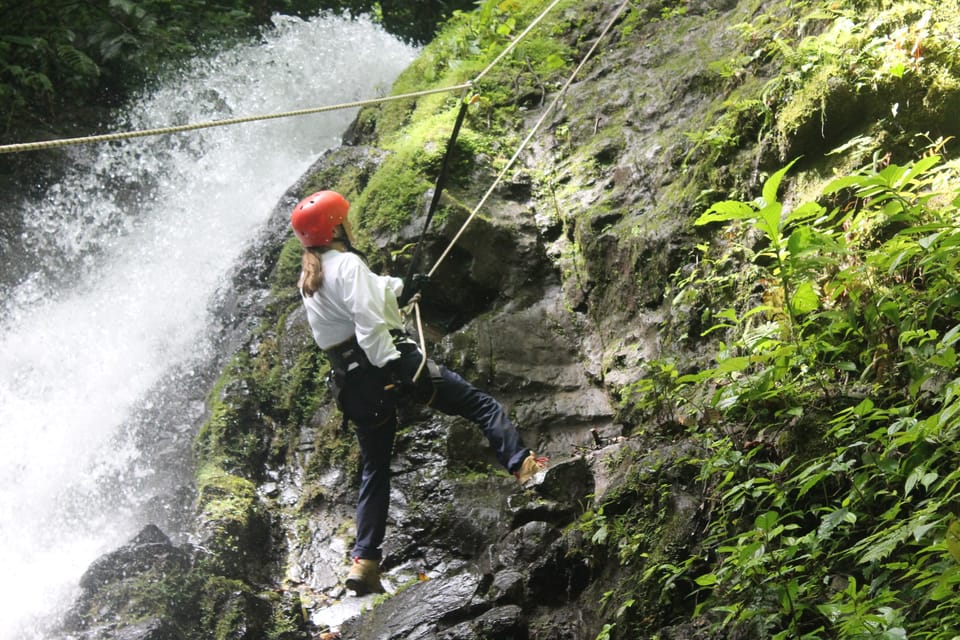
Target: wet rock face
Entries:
(112, 589)
(419, 611)
(150, 589)
(531, 565)
(150, 550)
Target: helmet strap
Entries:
(343, 236)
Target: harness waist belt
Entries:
(347, 356)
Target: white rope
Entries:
(125, 135)
(423, 341)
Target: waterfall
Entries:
(128, 249)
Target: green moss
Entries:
(223, 496)
(230, 605)
(287, 270)
(233, 523)
(231, 437)
(394, 195)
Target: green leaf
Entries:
(918, 167)
(951, 336)
(772, 185)
(804, 212)
(804, 299)
(880, 549)
(834, 519)
(920, 529)
(725, 211)
(600, 536)
(731, 365)
(769, 222)
(707, 580)
(912, 480)
(844, 182)
(554, 62)
(26, 41)
(953, 539)
(623, 607)
(77, 61)
(766, 521)
(800, 240)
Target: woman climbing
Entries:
(355, 318)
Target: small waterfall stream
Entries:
(127, 251)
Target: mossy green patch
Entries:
(231, 438)
(417, 131)
(223, 496)
(642, 527)
(229, 605)
(286, 272)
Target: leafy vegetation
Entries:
(824, 425)
(828, 424)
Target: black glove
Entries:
(412, 286)
(400, 381)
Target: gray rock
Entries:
(418, 611)
(502, 623)
(150, 549)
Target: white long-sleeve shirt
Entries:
(354, 301)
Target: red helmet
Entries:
(316, 216)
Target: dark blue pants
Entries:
(452, 395)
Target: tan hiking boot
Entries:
(530, 466)
(364, 577)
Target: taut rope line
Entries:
(526, 141)
(124, 135)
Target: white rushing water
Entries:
(149, 229)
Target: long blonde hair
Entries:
(311, 270)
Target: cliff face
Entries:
(559, 298)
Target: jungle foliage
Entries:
(826, 424)
(834, 497)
